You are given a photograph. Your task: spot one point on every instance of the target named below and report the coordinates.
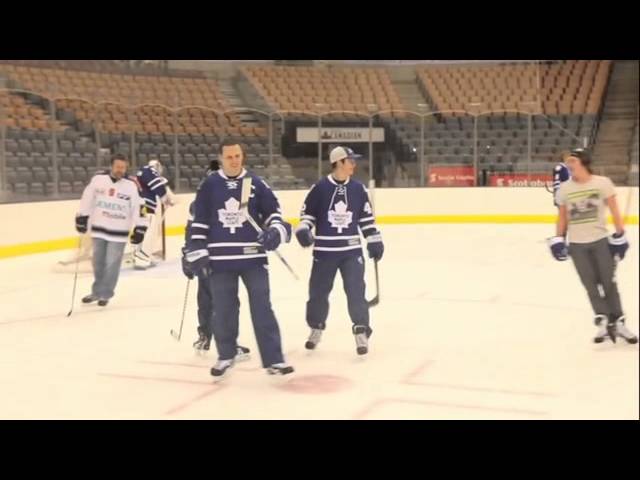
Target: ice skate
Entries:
(280, 369)
(242, 354)
(601, 323)
(203, 343)
(89, 299)
(362, 339)
(314, 339)
(221, 368)
(623, 332)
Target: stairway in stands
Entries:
(635, 160)
(405, 82)
(281, 173)
(614, 140)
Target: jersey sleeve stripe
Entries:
(368, 227)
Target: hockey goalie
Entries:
(158, 197)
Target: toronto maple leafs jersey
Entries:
(221, 228)
(152, 186)
(339, 212)
(114, 207)
(560, 175)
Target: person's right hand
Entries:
(186, 266)
(198, 261)
(82, 222)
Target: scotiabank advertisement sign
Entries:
(451, 176)
(519, 180)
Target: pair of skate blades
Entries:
(613, 330)
(360, 334)
(222, 367)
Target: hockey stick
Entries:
(164, 234)
(375, 300)
(278, 254)
(178, 336)
(546, 187)
(75, 277)
(244, 206)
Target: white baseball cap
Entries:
(340, 153)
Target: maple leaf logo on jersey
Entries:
(230, 216)
(232, 184)
(340, 217)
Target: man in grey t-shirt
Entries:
(582, 207)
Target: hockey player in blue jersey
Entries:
(561, 174)
(339, 209)
(224, 246)
(153, 185)
(205, 303)
(154, 190)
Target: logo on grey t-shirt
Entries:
(583, 206)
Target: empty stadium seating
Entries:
(132, 114)
(309, 89)
(182, 120)
(562, 88)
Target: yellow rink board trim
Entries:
(72, 242)
(38, 247)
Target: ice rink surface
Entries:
(474, 322)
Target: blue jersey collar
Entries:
(242, 174)
(332, 180)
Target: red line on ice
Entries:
(417, 371)
(480, 389)
(188, 403)
(410, 379)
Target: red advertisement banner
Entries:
(451, 176)
(519, 180)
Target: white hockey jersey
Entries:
(114, 207)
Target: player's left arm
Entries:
(612, 203)
(367, 220)
(369, 229)
(618, 243)
(156, 183)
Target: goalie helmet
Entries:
(156, 165)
